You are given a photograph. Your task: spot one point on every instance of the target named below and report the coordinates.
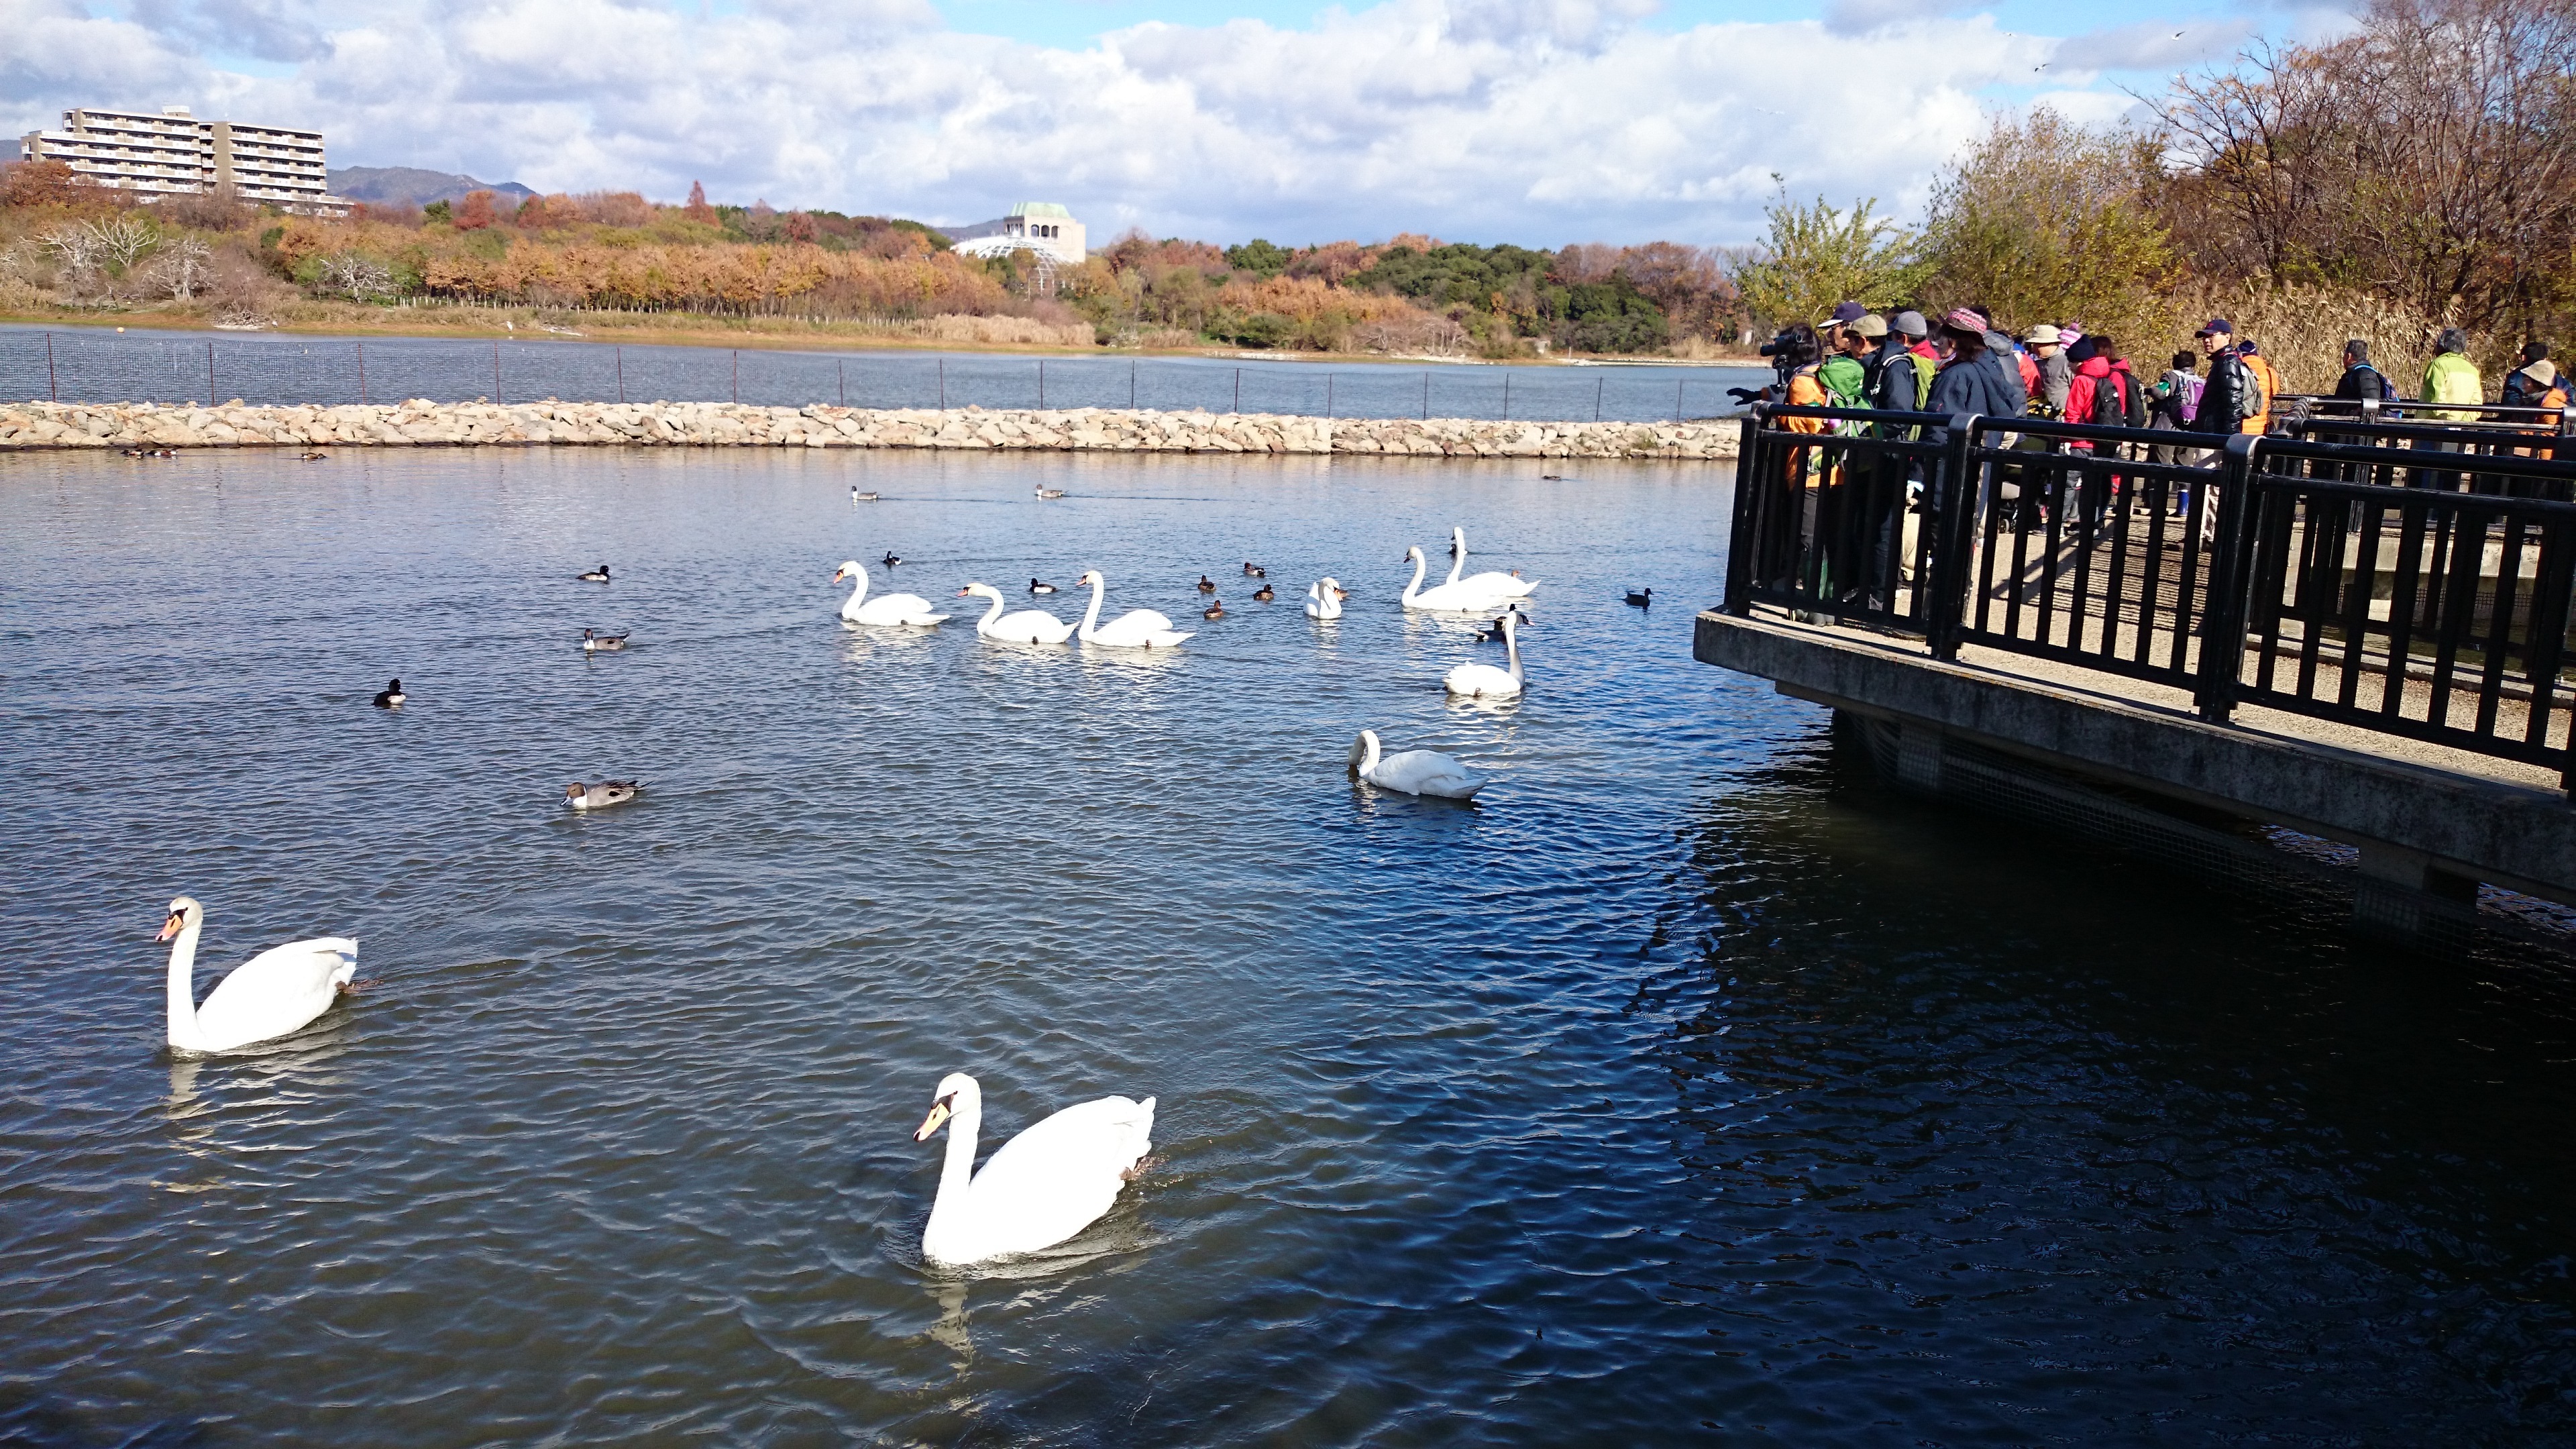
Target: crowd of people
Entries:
(1858, 358)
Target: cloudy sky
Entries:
(1534, 121)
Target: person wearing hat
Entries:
(1897, 377)
(1830, 330)
(2230, 395)
(2056, 370)
(1974, 380)
(2451, 378)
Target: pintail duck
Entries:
(607, 792)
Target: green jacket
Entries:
(2451, 378)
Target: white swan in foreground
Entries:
(273, 994)
(1023, 626)
(1445, 598)
(1484, 681)
(1324, 600)
(1496, 585)
(1041, 1187)
(886, 609)
(1135, 629)
(1415, 772)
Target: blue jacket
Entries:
(1980, 387)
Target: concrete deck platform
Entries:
(2425, 818)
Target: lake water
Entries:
(92, 365)
(1685, 1088)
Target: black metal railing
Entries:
(2351, 581)
(2293, 411)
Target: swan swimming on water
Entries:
(1444, 598)
(1024, 626)
(275, 993)
(1135, 629)
(1484, 681)
(885, 610)
(1056, 1178)
(1415, 772)
(1324, 600)
(1495, 585)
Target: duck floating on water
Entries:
(858, 497)
(598, 575)
(1255, 571)
(592, 641)
(891, 559)
(391, 696)
(1265, 593)
(1215, 610)
(607, 792)
(1645, 600)
(1046, 492)
(1206, 585)
(1038, 588)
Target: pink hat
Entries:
(1965, 321)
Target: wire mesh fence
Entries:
(167, 367)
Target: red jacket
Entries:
(2085, 392)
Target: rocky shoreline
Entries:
(728, 425)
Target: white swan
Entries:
(273, 994)
(1025, 626)
(885, 609)
(1324, 600)
(1415, 772)
(1496, 585)
(1484, 681)
(1135, 629)
(1444, 598)
(1041, 1187)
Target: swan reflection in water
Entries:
(289, 1075)
(1112, 1245)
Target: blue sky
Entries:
(1534, 121)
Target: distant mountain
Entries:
(387, 184)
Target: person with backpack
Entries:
(2231, 395)
(2103, 393)
(2537, 383)
(2053, 371)
(2362, 382)
(1900, 377)
(2451, 378)
(2267, 383)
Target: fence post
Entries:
(1596, 397)
(1952, 493)
(1677, 402)
(1041, 384)
(943, 384)
(621, 374)
(54, 389)
(362, 374)
(1238, 390)
(2222, 620)
(496, 370)
(1739, 544)
(737, 377)
(210, 366)
(840, 375)
(2567, 421)
(1328, 397)
(1426, 397)
(1507, 397)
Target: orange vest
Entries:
(2261, 367)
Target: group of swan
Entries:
(1135, 629)
(1041, 1188)
(1471, 594)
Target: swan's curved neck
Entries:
(1457, 553)
(183, 989)
(861, 592)
(1091, 616)
(1512, 647)
(1419, 566)
(995, 612)
(1368, 754)
(957, 1172)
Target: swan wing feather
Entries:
(1060, 1175)
(1482, 679)
(278, 991)
(1427, 772)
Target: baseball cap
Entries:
(1845, 314)
(1910, 323)
(1870, 324)
(2216, 325)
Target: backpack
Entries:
(2184, 396)
(2247, 391)
(2263, 383)
(2387, 389)
(2113, 403)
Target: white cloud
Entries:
(1537, 121)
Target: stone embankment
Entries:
(734, 425)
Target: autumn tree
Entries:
(697, 210)
(1820, 255)
(475, 212)
(2045, 221)
(43, 183)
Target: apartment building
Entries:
(172, 153)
